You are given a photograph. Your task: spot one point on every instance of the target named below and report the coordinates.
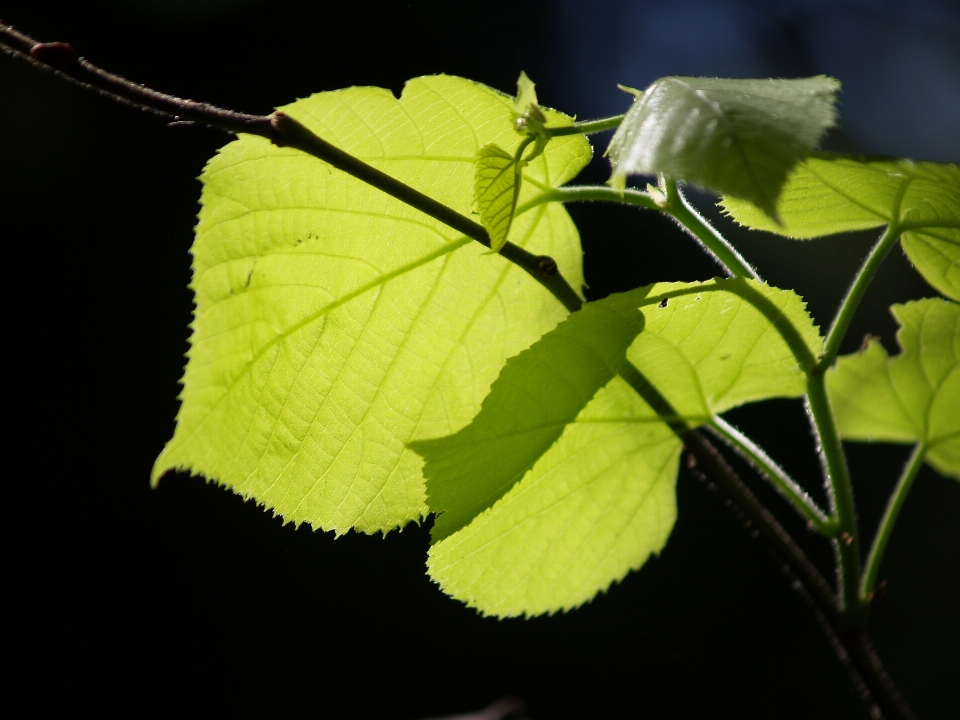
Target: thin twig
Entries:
(61, 59)
(709, 461)
(280, 129)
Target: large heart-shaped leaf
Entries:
(830, 194)
(565, 480)
(911, 397)
(738, 137)
(335, 324)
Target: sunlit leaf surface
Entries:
(565, 480)
(537, 394)
(834, 194)
(910, 397)
(335, 324)
(738, 137)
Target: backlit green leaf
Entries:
(566, 477)
(537, 394)
(830, 194)
(723, 343)
(592, 508)
(496, 188)
(911, 397)
(738, 137)
(335, 324)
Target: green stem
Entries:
(586, 193)
(694, 223)
(586, 127)
(852, 300)
(910, 470)
(675, 205)
(785, 485)
(847, 545)
(847, 542)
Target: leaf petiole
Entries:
(675, 205)
(587, 193)
(784, 484)
(587, 127)
(852, 300)
(847, 542)
(869, 582)
(697, 226)
(847, 547)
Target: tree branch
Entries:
(61, 59)
(280, 129)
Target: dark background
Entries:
(186, 600)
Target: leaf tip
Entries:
(160, 468)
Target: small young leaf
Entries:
(911, 397)
(738, 137)
(496, 188)
(499, 174)
(529, 117)
(830, 194)
(564, 481)
(334, 324)
(526, 94)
